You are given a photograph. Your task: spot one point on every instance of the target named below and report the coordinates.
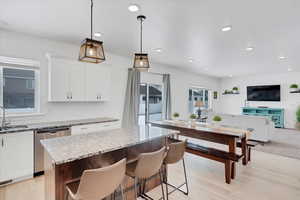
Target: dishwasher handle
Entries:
(52, 130)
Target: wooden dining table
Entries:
(213, 133)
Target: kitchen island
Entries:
(67, 157)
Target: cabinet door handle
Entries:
(2, 142)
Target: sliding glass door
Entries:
(150, 103)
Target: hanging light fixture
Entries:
(91, 50)
(141, 61)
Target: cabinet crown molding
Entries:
(19, 61)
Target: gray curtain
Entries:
(132, 97)
(167, 113)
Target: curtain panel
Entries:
(167, 113)
(132, 99)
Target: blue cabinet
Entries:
(275, 114)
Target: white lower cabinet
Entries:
(1, 159)
(90, 128)
(16, 156)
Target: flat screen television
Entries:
(263, 93)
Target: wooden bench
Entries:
(250, 144)
(218, 155)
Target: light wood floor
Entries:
(267, 177)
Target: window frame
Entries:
(22, 64)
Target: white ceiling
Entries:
(182, 28)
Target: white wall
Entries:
(232, 103)
(25, 46)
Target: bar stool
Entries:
(175, 154)
(97, 184)
(147, 165)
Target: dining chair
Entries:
(146, 166)
(96, 184)
(175, 154)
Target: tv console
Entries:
(275, 114)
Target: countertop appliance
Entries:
(42, 134)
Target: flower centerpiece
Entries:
(193, 118)
(216, 119)
(175, 116)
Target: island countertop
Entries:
(75, 147)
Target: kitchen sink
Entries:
(13, 127)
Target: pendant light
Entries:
(91, 50)
(141, 61)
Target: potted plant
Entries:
(235, 90)
(294, 87)
(226, 92)
(175, 116)
(193, 118)
(216, 119)
(298, 119)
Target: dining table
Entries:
(215, 133)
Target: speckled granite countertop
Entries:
(56, 124)
(70, 148)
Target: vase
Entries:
(294, 89)
(216, 124)
(193, 123)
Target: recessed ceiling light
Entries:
(230, 76)
(226, 28)
(97, 34)
(191, 60)
(282, 57)
(133, 7)
(290, 69)
(158, 50)
(249, 48)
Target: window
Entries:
(19, 92)
(199, 94)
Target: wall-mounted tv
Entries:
(263, 93)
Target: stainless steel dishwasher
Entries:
(42, 134)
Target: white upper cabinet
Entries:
(97, 83)
(77, 81)
(59, 80)
(71, 80)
